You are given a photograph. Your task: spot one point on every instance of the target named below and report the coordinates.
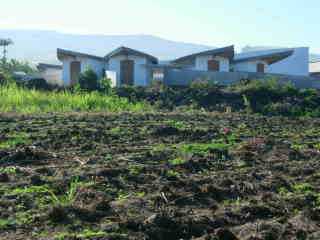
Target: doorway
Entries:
(75, 69)
(127, 72)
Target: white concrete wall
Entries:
(52, 76)
(314, 67)
(201, 63)
(297, 64)
(250, 66)
(95, 64)
(140, 70)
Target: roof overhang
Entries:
(226, 52)
(129, 51)
(44, 66)
(269, 58)
(62, 53)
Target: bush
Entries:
(106, 86)
(88, 80)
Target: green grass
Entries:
(63, 200)
(22, 100)
(14, 140)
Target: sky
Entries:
(285, 23)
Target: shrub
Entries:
(106, 86)
(88, 80)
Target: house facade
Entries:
(126, 66)
(51, 73)
(314, 68)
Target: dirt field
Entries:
(159, 177)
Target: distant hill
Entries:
(40, 46)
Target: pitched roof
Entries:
(63, 52)
(129, 51)
(43, 66)
(269, 57)
(227, 52)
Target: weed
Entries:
(64, 200)
(303, 188)
(172, 173)
(177, 161)
(18, 99)
(5, 223)
(8, 170)
(14, 140)
(140, 194)
(122, 195)
(177, 124)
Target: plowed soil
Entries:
(159, 176)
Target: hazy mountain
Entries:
(40, 46)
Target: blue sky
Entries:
(212, 22)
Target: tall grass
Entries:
(21, 100)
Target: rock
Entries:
(225, 234)
(36, 180)
(4, 177)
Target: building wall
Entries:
(52, 76)
(314, 67)
(141, 76)
(185, 77)
(94, 64)
(297, 64)
(201, 63)
(250, 66)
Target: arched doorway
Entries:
(75, 69)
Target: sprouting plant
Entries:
(63, 200)
(247, 104)
(177, 161)
(172, 173)
(122, 195)
(8, 170)
(14, 140)
(303, 188)
(177, 124)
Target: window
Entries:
(213, 65)
(260, 68)
(158, 75)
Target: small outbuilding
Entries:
(258, 62)
(75, 63)
(217, 60)
(51, 73)
(129, 66)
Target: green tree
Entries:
(88, 80)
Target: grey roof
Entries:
(227, 52)
(269, 57)
(129, 51)
(42, 66)
(63, 52)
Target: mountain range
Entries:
(40, 46)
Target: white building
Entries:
(126, 66)
(51, 73)
(123, 66)
(314, 68)
(217, 60)
(288, 61)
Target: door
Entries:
(75, 69)
(213, 65)
(127, 72)
(260, 68)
